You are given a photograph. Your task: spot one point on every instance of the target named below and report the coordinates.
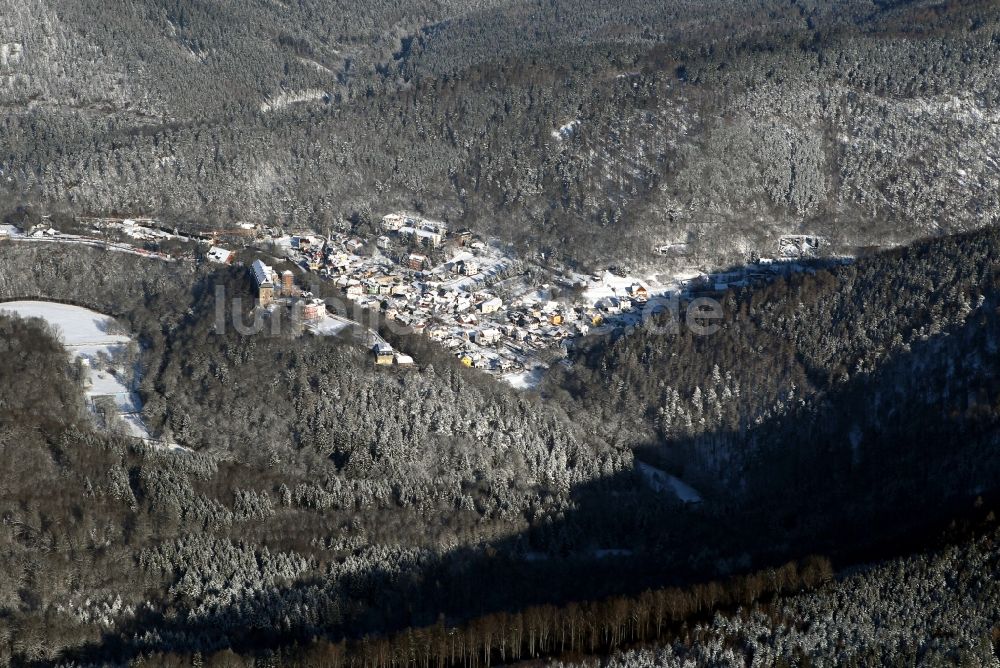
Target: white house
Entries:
(426, 237)
(491, 305)
(219, 255)
(487, 337)
(393, 221)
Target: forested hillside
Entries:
(849, 390)
(316, 497)
(40, 383)
(314, 508)
(593, 129)
(320, 499)
(936, 608)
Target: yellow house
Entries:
(467, 361)
(383, 354)
(556, 319)
(596, 319)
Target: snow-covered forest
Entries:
(814, 483)
(717, 124)
(321, 499)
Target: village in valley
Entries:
(477, 299)
(469, 294)
(491, 309)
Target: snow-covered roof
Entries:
(262, 273)
(218, 254)
(420, 232)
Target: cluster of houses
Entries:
(427, 233)
(799, 245)
(632, 297)
(458, 303)
(470, 296)
(531, 331)
(311, 250)
(452, 302)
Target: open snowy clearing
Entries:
(567, 130)
(289, 98)
(87, 336)
(78, 327)
(525, 380)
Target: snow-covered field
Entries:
(78, 327)
(87, 336)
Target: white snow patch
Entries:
(79, 327)
(10, 54)
(567, 130)
(525, 380)
(292, 97)
(329, 326)
(661, 481)
(319, 67)
(687, 276)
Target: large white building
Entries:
(219, 255)
(423, 236)
(265, 278)
(394, 221)
(491, 305)
(487, 337)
